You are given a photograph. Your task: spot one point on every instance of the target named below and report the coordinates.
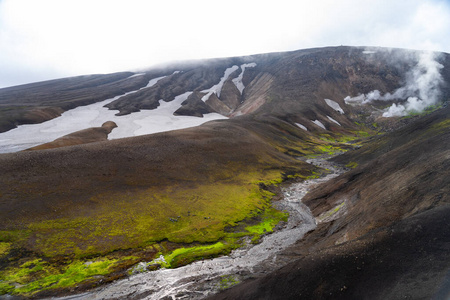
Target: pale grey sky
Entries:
(44, 39)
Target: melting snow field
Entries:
(218, 87)
(333, 120)
(144, 122)
(301, 126)
(334, 105)
(94, 115)
(238, 80)
(318, 123)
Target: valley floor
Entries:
(206, 277)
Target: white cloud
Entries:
(61, 38)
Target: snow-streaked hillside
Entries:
(94, 115)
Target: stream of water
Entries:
(203, 278)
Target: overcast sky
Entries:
(45, 39)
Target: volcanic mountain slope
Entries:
(384, 228)
(38, 102)
(288, 85)
(109, 205)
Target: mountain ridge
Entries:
(315, 66)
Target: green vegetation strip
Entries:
(233, 239)
(214, 222)
(37, 274)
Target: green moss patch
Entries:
(332, 143)
(261, 223)
(4, 248)
(37, 275)
(227, 281)
(352, 165)
(183, 256)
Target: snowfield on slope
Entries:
(238, 80)
(217, 88)
(334, 105)
(94, 115)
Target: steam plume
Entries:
(422, 88)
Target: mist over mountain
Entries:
(133, 172)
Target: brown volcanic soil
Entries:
(33, 183)
(393, 241)
(400, 174)
(85, 136)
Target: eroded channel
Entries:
(203, 278)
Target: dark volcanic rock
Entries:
(230, 95)
(193, 106)
(189, 78)
(217, 105)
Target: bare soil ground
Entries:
(393, 242)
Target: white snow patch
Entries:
(333, 120)
(218, 87)
(238, 80)
(369, 52)
(334, 105)
(318, 123)
(301, 126)
(151, 83)
(136, 75)
(94, 115)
